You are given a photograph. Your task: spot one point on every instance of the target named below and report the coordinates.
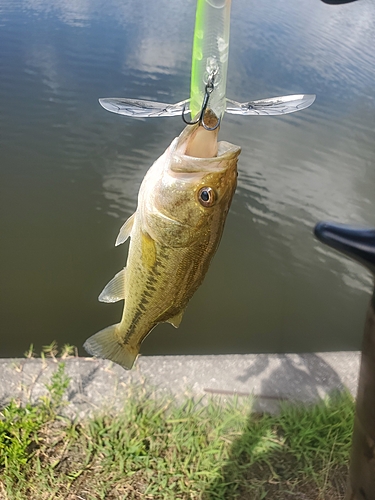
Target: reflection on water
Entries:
(70, 172)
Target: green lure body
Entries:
(210, 54)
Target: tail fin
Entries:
(106, 344)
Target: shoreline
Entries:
(97, 385)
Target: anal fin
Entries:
(176, 320)
(115, 289)
(125, 230)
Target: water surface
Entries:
(70, 171)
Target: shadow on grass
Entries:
(300, 454)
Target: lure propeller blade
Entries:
(272, 106)
(139, 108)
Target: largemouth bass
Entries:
(183, 202)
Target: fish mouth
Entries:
(197, 150)
(357, 243)
(199, 142)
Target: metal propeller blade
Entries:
(139, 108)
(273, 106)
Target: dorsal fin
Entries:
(125, 230)
(115, 289)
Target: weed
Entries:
(21, 426)
(156, 449)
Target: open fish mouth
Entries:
(197, 150)
(198, 142)
(187, 164)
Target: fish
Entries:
(175, 231)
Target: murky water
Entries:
(70, 171)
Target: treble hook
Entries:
(207, 92)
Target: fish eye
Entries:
(206, 196)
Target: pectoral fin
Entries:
(115, 289)
(148, 250)
(176, 320)
(125, 231)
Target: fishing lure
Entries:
(208, 78)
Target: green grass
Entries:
(157, 449)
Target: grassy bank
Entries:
(156, 450)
